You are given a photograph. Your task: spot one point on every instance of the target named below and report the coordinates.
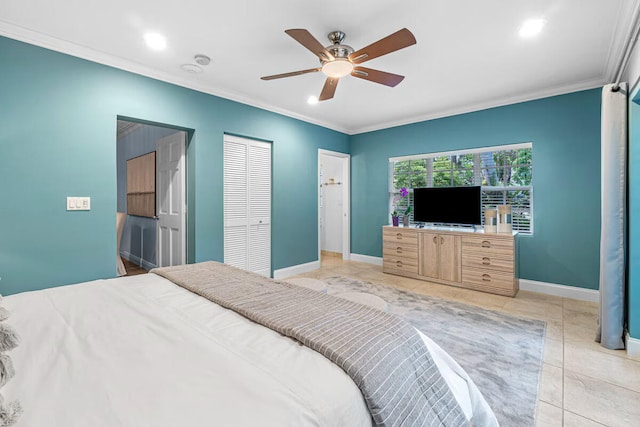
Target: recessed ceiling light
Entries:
(191, 68)
(532, 27)
(155, 41)
(312, 100)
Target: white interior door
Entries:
(247, 204)
(170, 199)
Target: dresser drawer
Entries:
(399, 235)
(490, 278)
(409, 265)
(400, 249)
(488, 245)
(487, 261)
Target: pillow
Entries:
(6, 369)
(9, 412)
(8, 338)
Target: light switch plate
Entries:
(84, 203)
(78, 203)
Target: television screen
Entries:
(448, 205)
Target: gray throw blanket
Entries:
(383, 354)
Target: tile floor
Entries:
(582, 384)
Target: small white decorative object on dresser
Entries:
(457, 257)
(490, 221)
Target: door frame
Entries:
(188, 222)
(346, 202)
(251, 217)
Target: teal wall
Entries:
(633, 280)
(565, 132)
(58, 138)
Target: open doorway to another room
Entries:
(151, 186)
(333, 206)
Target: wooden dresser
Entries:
(458, 257)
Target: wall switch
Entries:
(78, 203)
(86, 203)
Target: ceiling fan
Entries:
(338, 59)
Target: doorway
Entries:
(151, 197)
(334, 205)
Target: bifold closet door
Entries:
(247, 204)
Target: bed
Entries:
(143, 351)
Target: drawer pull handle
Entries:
(399, 236)
(399, 263)
(486, 278)
(486, 244)
(441, 240)
(435, 240)
(399, 249)
(486, 261)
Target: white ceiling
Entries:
(468, 54)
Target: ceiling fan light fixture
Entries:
(338, 68)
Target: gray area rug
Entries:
(501, 353)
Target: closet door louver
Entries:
(260, 208)
(247, 204)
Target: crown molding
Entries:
(498, 102)
(63, 46)
(38, 39)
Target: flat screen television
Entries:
(448, 205)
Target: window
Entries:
(503, 172)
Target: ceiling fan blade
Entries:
(396, 41)
(329, 88)
(376, 76)
(305, 38)
(291, 74)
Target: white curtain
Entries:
(613, 223)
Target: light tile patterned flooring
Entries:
(582, 384)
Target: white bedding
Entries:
(141, 351)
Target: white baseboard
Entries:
(294, 270)
(633, 346)
(367, 258)
(136, 260)
(564, 291)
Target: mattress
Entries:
(142, 351)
